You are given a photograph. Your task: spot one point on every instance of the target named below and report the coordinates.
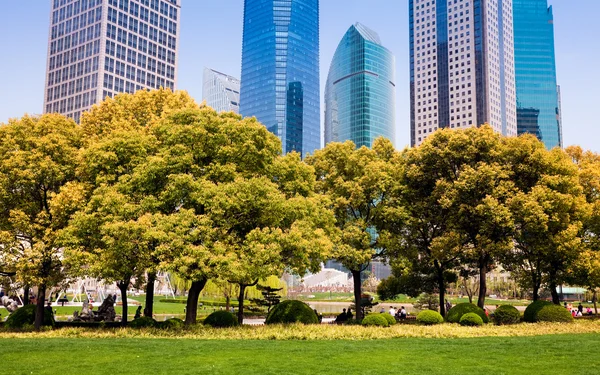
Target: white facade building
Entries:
(220, 91)
(99, 48)
(462, 66)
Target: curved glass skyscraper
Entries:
(280, 70)
(360, 95)
(538, 110)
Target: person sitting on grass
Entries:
(138, 313)
(342, 317)
(349, 314)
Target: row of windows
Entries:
(131, 56)
(59, 15)
(134, 9)
(121, 19)
(71, 88)
(75, 39)
(71, 72)
(133, 83)
(74, 55)
(77, 102)
(131, 39)
(76, 23)
(126, 70)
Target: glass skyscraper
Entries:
(360, 94)
(220, 91)
(538, 109)
(462, 71)
(280, 70)
(99, 48)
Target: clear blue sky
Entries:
(211, 35)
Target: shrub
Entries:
(456, 313)
(429, 317)
(221, 319)
(554, 313)
(25, 316)
(390, 319)
(507, 314)
(292, 311)
(532, 310)
(471, 319)
(142, 322)
(378, 320)
(171, 323)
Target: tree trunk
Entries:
(26, 295)
(149, 308)
(240, 313)
(536, 289)
(191, 307)
(553, 291)
(39, 309)
(227, 302)
(595, 299)
(123, 285)
(483, 269)
(442, 290)
(357, 293)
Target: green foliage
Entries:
(531, 312)
(429, 317)
(390, 319)
(506, 314)
(143, 322)
(471, 319)
(171, 323)
(221, 319)
(554, 313)
(427, 301)
(456, 312)
(25, 316)
(292, 311)
(378, 320)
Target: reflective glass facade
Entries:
(538, 110)
(99, 48)
(360, 94)
(280, 70)
(220, 91)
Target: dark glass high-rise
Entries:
(538, 109)
(280, 70)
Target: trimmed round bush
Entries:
(25, 315)
(532, 310)
(377, 320)
(221, 319)
(292, 311)
(390, 319)
(142, 322)
(171, 323)
(507, 314)
(554, 313)
(456, 313)
(429, 317)
(471, 320)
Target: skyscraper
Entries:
(221, 92)
(538, 109)
(98, 48)
(280, 70)
(461, 66)
(360, 94)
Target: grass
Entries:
(556, 354)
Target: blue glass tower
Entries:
(280, 70)
(360, 94)
(538, 109)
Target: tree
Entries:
(38, 194)
(548, 209)
(357, 182)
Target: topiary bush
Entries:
(142, 322)
(25, 316)
(378, 320)
(429, 317)
(221, 319)
(390, 319)
(554, 313)
(171, 323)
(532, 310)
(471, 320)
(456, 313)
(506, 314)
(292, 311)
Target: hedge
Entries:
(532, 310)
(471, 319)
(506, 314)
(456, 313)
(292, 311)
(378, 320)
(26, 316)
(554, 313)
(221, 319)
(429, 317)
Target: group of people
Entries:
(578, 311)
(399, 314)
(344, 316)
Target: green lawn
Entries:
(555, 354)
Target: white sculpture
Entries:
(10, 304)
